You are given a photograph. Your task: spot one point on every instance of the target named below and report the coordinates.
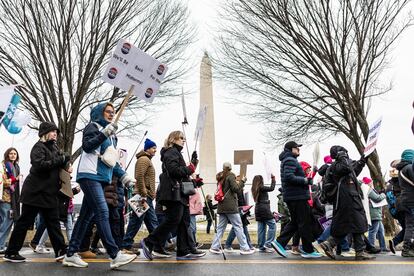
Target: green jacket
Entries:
(230, 188)
(376, 213)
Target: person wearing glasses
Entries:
(174, 202)
(98, 163)
(295, 187)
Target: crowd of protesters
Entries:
(341, 214)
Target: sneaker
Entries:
(349, 253)
(131, 251)
(2, 251)
(122, 259)
(199, 245)
(198, 253)
(187, 257)
(215, 251)
(97, 251)
(146, 250)
(279, 248)
(247, 252)
(363, 256)
(228, 250)
(87, 254)
(391, 246)
(295, 250)
(327, 248)
(373, 250)
(317, 247)
(14, 258)
(74, 261)
(60, 255)
(266, 250)
(42, 250)
(33, 246)
(313, 255)
(161, 253)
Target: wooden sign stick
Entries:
(124, 103)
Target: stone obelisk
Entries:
(207, 153)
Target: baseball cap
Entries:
(292, 144)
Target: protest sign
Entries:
(138, 205)
(131, 69)
(372, 140)
(123, 156)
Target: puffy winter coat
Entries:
(293, 178)
(407, 189)
(94, 143)
(145, 175)
(262, 210)
(42, 185)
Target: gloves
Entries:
(363, 158)
(128, 181)
(198, 181)
(194, 158)
(309, 181)
(110, 129)
(191, 167)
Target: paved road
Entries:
(257, 264)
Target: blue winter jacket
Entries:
(293, 178)
(94, 142)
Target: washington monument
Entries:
(207, 165)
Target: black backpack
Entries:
(329, 188)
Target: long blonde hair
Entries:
(174, 136)
(256, 185)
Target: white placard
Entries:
(373, 133)
(123, 156)
(365, 202)
(379, 204)
(129, 66)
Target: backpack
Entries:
(392, 203)
(329, 188)
(220, 195)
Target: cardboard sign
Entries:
(373, 134)
(130, 66)
(243, 158)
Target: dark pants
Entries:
(86, 241)
(358, 239)
(115, 223)
(177, 216)
(296, 239)
(300, 222)
(26, 220)
(400, 236)
(209, 223)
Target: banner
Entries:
(6, 94)
(201, 120)
(372, 140)
(15, 100)
(129, 66)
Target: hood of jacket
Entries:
(143, 153)
(97, 115)
(286, 153)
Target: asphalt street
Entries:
(257, 264)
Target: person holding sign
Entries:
(98, 162)
(175, 200)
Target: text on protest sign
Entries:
(129, 66)
(372, 137)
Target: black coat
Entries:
(41, 187)
(262, 210)
(174, 172)
(293, 178)
(349, 214)
(407, 190)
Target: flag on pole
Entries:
(183, 105)
(200, 123)
(6, 94)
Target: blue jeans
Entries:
(377, 228)
(40, 229)
(135, 222)
(93, 204)
(261, 233)
(193, 226)
(236, 222)
(327, 233)
(232, 236)
(5, 223)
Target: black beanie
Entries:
(46, 127)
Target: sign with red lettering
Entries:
(373, 133)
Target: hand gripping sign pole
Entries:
(124, 103)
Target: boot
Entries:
(362, 255)
(328, 249)
(408, 250)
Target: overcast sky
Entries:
(235, 133)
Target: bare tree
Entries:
(57, 50)
(310, 68)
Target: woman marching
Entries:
(9, 200)
(39, 194)
(174, 201)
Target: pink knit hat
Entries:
(366, 180)
(327, 159)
